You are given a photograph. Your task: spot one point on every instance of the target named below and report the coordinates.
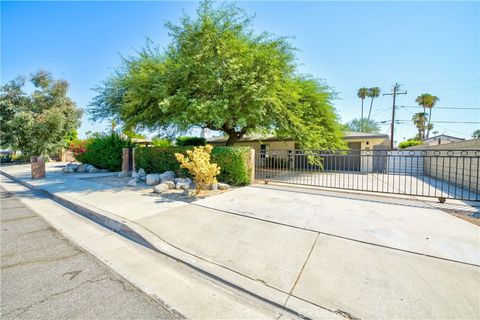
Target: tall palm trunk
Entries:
(362, 109)
(370, 109)
(428, 126)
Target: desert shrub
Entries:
(197, 162)
(104, 151)
(409, 143)
(233, 161)
(190, 141)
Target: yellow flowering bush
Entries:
(197, 162)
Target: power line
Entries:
(450, 108)
(462, 122)
(441, 82)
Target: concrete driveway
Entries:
(373, 257)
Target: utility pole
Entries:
(395, 92)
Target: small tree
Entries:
(420, 121)
(197, 162)
(426, 100)
(476, 134)
(40, 123)
(363, 125)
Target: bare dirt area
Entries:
(465, 215)
(142, 187)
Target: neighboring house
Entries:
(354, 140)
(440, 139)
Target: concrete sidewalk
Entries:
(323, 258)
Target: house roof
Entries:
(442, 135)
(258, 137)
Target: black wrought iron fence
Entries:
(445, 174)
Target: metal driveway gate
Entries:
(445, 174)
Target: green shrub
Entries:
(5, 158)
(409, 143)
(104, 151)
(233, 162)
(157, 142)
(190, 141)
(159, 159)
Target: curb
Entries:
(121, 228)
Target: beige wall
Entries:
(460, 168)
(368, 144)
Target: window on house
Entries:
(263, 150)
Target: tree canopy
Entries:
(218, 74)
(363, 125)
(40, 123)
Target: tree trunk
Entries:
(370, 110)
(233, 136)
(429, 119)
(362, 110)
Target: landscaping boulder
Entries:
(70, 168)
(152, 179)
(123, 174)
(167, 176)
(160, 188)
(142, 175)
(170, 184)
(223, 186)
(82, 168)
(93, 170)
(88, 167)
(135, 174)
(214, 187)
(132, 182)
(182, 183)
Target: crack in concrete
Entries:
(26, 308)
(24, 263)
(346, 315)
(301, 270)
(18, 219)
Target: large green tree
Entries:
(218, 74)
(39, 123)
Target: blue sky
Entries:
(429, 47)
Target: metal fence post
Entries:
(252, 163)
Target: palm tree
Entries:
(426, 100)
(372, 93)
(420, 121)
(362, 93)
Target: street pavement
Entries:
(44, 276)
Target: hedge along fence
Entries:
(235, 164)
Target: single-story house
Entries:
(354, 140)
(286, 147)
(441, 139)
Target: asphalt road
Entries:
(44, 276)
